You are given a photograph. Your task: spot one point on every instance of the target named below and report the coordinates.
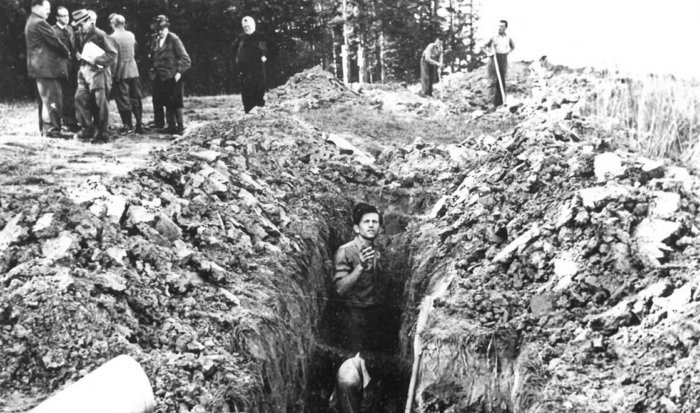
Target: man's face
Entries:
(62, 16)
(162, 32)
(368, 228)
(44, 10)
(501, 28)
(85, 25)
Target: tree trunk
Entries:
(345, 52)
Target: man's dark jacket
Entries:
(170, 59)
(47, 56)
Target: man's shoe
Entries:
(139, 129)
(101, 138)
(179, 131)
(125, 130)
(71, 128)
(85, 134)
(53, 134)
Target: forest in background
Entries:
(387, 36)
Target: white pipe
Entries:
(118, 386)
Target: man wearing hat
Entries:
(127, 87)
(251, 55)
(170, 60)
(47, 59)
(96, 54)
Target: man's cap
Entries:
(80, 16)
(160, 22)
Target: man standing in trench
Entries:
(497, 49)
(357, 282)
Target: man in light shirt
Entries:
(497, 48)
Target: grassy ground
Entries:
(389, 129)
(662, 114)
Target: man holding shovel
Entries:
(497, 49)
(430, 65)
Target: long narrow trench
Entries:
(390, 372)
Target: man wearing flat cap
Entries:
(170, 60)
(47, 63)
(96, 54)
(127, 87)
(251, 54)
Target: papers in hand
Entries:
(91, 52)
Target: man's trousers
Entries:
(50, 105)
(91, 106)
(494, 89)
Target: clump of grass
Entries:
(661, 112)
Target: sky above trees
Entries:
(633, 35)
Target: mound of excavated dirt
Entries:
(565, 275)
(563, 271)
(205, 267)
(312, 89)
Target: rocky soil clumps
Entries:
(556, 263)
(313, 89)
(205, 267)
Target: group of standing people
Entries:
(497, 48)
(77, 66)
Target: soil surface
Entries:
(561, 268)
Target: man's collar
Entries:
(360, 242)
(61, 26)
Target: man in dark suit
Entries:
(47, 59)
(66, 34)
(127, 87)
(170, 60)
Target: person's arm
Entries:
(49, 37)
(110, 53)
(511, 44)
(263, 46)
(183, 61)
(428, 52)
(345, 275)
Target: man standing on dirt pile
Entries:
(96, 54)
(251, 54)
(430, 63)
(356, 281)
(127, 86)
(497, 49)
(67, 35)
(47, 62)
(170, 60)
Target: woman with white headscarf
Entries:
(251, 55)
